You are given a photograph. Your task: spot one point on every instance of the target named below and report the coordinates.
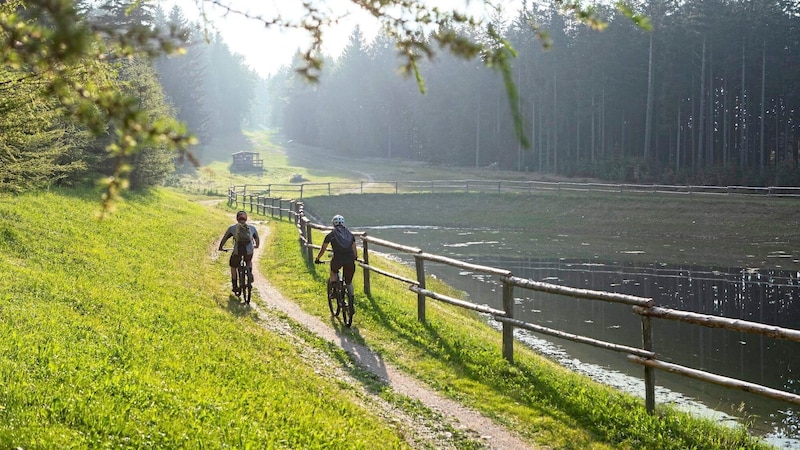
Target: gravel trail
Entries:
(420, 432)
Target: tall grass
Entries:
(461, 357)
(121, 333)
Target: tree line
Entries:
(49, 136)
(708, 96)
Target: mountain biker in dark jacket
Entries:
(345, 253)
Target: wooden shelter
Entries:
(247, 162)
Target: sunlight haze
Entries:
(266, 50)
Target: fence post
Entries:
(301, 190)
(508, 329)
(420, 263)
(396, 187)
(272, 207)
(298, 211)
(649, 372)
(365, 257)
(280, 209)
(309, 248)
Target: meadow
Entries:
(122, 333)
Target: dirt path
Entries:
(420, 432)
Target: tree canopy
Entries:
(705, 98)
(89, 64)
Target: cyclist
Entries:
(245, 241)
(345, 254)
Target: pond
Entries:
(762, 295)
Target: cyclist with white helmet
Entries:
(345, 254)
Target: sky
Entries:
(266, 50)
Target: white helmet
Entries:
(337, 220)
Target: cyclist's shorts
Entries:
(348, 269)
(235, 259)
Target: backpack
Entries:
(242, 234)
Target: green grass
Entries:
(121, 333)
(460, 356)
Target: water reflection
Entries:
(766, 296)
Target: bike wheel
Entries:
(243, 284)
(333, 300)
(347, 313)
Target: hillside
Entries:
(121, 333)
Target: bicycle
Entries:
(338, 300)
(244, 286)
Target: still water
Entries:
(766, 296)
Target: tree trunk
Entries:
(678, 143)
(594, 133)
(761, 149)
(648, 118)
(701, 112)
(725, 122)
(555, 122)
(743, 117)
(478, 129)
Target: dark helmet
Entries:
(241, 215)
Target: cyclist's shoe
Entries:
(235, 287)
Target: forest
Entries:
(704, 95)
(707, 95)
(49, 137)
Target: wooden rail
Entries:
(644, 307)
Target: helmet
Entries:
(241, 214)
(337, 220)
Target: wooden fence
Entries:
(643, 307)
(246, 193)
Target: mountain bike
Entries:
(338, 300)
(244, 288)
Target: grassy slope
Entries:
(121, 333)
(460, 356)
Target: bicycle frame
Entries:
(338, 300)
(245, 287)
